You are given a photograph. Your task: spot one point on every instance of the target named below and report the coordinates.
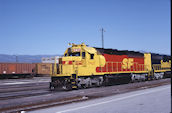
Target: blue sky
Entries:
(47, 26)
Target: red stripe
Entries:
(70, 62)
(63, 62)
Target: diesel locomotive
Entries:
(83, 66)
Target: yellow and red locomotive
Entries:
(83, 66)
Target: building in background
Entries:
(50, 59)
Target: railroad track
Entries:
(24, 90)
(35, 99)
(13, 95)
(23, 87)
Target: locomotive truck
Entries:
(83, 66)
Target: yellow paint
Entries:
(127, 63)
(102, 60)
(130, 62)
(147, 62)
(90, 50)
(81, 66)
(166, 64)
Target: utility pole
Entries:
(102, 30)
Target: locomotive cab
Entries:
(80, 60)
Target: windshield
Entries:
(70, 53)
(74, 54)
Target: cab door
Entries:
(91, 59)
(83, 60)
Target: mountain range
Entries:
(23, 58)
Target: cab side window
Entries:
(83, 55)
(91, 56)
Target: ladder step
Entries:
(73, 82)
(74, 86)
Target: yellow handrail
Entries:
(114, 67)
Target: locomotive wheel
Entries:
(51, 87)
(68, 87)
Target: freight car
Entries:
(43, 69)
(21, 70)
(11, 70)
(84, 66)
